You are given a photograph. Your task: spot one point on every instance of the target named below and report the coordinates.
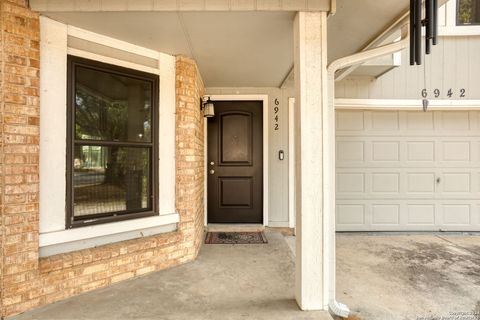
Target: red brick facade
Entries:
(27, 281)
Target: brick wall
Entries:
(27, 281)
(190, 151)
(19, 146)
(1, 160)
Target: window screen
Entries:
(112, 143)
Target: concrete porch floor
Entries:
(379, 276)
(225, 282)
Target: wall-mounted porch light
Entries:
(207, 106)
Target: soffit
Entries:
(239, 49)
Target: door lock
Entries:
(212, 163)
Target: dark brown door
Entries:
(235, 163)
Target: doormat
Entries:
(235, 238)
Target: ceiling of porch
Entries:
(239, 49)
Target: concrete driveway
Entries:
(414, 277)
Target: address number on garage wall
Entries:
(450, 93)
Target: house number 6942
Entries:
(276, 109)
(448, 94)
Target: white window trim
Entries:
(105, 229)
(111, 42)
(109, 60)
(54, 50)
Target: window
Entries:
(111, 143)
(468, 12)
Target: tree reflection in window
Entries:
(113, 142)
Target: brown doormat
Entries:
(235, 238)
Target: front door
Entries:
(235, 163)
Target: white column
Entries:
(311, 99)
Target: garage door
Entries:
(408, 170)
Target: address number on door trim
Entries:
(276, 109)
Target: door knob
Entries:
(212, 171)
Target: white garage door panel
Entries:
(408, 170)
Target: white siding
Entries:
(454, 64)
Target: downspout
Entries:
(337, 308)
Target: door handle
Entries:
(212, 171)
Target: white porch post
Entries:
(311, 94)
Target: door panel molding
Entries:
(244, 97)
(226, 157)
(231, 199)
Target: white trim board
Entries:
(406, 104)
(245, 97)
(111, 42)
(69, 235)
(205, 180)
(473, 30)
(109, 60)
(47, 251)
(291, 162)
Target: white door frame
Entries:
(242, 97)
(291, 163)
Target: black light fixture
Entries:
(416, 23)
(206, 105)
